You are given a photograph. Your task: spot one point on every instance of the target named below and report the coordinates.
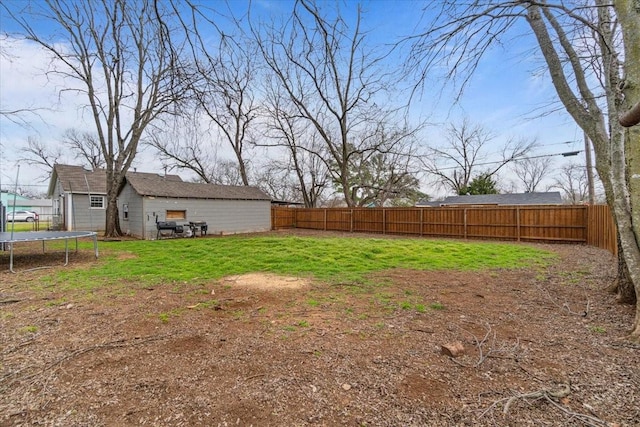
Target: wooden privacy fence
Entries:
(592, 225)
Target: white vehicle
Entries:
(27, 216)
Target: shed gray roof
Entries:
(156, 186)
(546, 198)
(72, 179)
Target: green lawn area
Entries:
(25, 226)
(331, 259)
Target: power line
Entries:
(565, 154)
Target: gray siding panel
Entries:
(240, 216)
(221, 216)
(135, 225)
(86, 218)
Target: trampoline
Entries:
(11, 239)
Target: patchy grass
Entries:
(25, 226)
(333, 260)
(436, 306)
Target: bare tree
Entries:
(465, 155)
(226, 95)
(224, 81)
(183, 144)
(385, 178)
(85, 146)
(334, 80)
(530, 172)
(305, 173)
(287, 130)
(276, 179)
(573, 183)
(37, 153)
(576, 43)
(118, 53)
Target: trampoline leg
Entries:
(95, 244)
(11, 257)
(66, 252)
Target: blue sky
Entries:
(502, 96)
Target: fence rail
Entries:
(592, 225)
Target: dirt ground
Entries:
(541, 347)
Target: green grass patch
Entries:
(25, 226)
(406, 305)
(436, 306)
(31, 329)
(333, 260)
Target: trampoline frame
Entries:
(11, 238)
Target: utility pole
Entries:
(587, 153)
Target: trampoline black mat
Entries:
(11, 238)
(37, 236)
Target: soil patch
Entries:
(542, 346)
(265, 281)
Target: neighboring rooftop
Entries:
(546, 198)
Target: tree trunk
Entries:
(628, 13)
(112, 220)
(112, 224)
(623, 285)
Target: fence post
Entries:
(384, 221)
(421, 221)
(325, 219)
(351, 222)
(465, 223)
(518, 222)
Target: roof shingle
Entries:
(72, 178)
(156, 186)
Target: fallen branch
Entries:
(108, 345)
(112, 344)
(552, 396)
(565, 306)
(492, 350)
(564, 391)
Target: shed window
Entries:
(125, 212)
(97, 202)
(176, 215)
